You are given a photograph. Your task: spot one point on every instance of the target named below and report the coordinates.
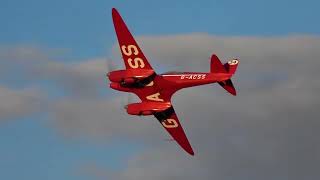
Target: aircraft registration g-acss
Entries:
(155, 90)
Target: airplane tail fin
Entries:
(230, 67)
(216, 65)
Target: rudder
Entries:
(231, 66)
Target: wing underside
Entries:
(170, 122)
(132, 55)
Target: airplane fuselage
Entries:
(169, 83)
(189, 79)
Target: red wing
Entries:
(132, 55)
(170, 122)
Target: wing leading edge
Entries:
(170, 122)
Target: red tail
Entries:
(216, 66)
(230, 67)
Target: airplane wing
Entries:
(170, 122)
(131, 53)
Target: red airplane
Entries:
(156, 90)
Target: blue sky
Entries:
(30, 148)
(86, 29)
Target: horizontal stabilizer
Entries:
(228, 86)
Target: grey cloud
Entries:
(101, 118)
(31, 64)
(81, 79)
(78, 79)
(28, 65)
(19, 103)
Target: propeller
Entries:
(111, 66)
(129, 100)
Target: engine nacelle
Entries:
(117, 86)
(147, 108)
(129, 76)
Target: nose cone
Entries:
(113, 77)
(109, 77)
(114, 86)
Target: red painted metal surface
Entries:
(147, 108)
(119, 75)
(154, 90)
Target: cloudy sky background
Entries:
(59, 119)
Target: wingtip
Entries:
(114, 11)
(234, 93)
(191, 153)
(189, 150)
